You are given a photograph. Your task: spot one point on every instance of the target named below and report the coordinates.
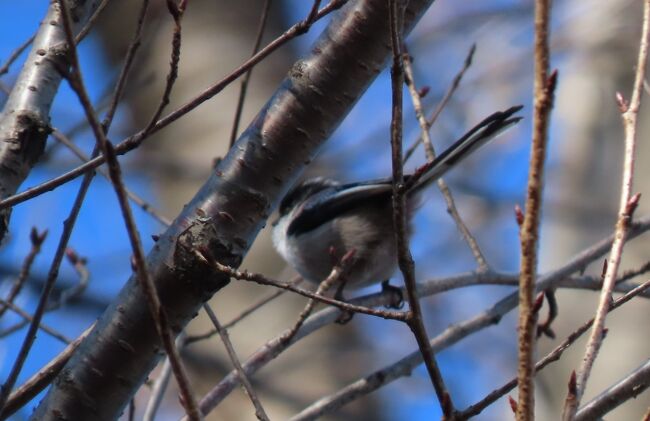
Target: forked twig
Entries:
(627, 205)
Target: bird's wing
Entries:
(327, 205)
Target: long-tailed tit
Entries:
(321, 219)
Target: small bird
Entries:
(320, 220)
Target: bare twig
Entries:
(262, 280)
(445, 99)
(544, 88)
(158, 313)
(91, 22)
(245, 313)
(176, 11)
(425, 126)
(143, 204)
(15, 54)
(628, 203)
(296, 281)
(407, 267)
(37, 241)
(552, 356)
(39, 381)
(248, 387)
(45, 328)
(629, 387)
(135, 140)
(79, 265)
(128, 63)
(335, 276)
(243, 88)
(160, 384)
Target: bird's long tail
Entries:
(479, 135)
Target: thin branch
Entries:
(431, 154)
(445, 99)
(176, 11)
(407, 267)
(126, 67)
(248, 387)
(544, 89)
(262, 280)
(91, 22)
(143, 204)
(243, 88)
(39, 381)
(15, 54)
(628, 387)
(335, 276)
(158, 313)
(135, 140)
(245, 313)
(75, 291)
(628, 204)
(296, 281)
(551, 357)
(79, 265)
(45, 328)
(37, 241)
(160, 384)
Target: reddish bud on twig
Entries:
(632, 204)
(551, 82)
(573, 385)
(519, 215)
(513, 404)
(36, 238)
(539, 300)
(348, 256)
(134, 266)
(622, 103)
(72, 256)
(604, 271)
(424, 91)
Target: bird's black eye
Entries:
(302, 191)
